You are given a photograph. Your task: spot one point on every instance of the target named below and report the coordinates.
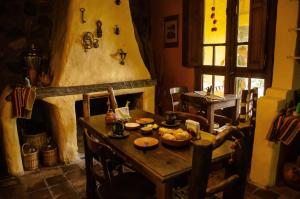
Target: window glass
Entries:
(219, 85)
(241, 83)
(242, 56)
(220, 56)
(243, 24)
(260, 84)
(207, 81)
(208, 55)
(215, 10)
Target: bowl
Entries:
(146, 129)
(175, 143)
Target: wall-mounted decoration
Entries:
(123, 55)
(213, 17)
(82, 10)
(117, 30)
(99, 28)
(33, 63)
(171, 31)
(89, 42)
(117, 2)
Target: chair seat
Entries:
(129, 185)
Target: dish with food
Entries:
(144, 120)
(175, 138)
(146, 129)
(145, 142)
(132, 125)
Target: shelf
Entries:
(293, 57)
(294, 29)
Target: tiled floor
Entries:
(68, 181)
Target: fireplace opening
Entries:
(99, 105)
(35, 134)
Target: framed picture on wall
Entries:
(171, 31)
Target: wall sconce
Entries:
(122, 56)
(117, 2)
(89, 42)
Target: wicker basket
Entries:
(30, 159)
(37, 140)
(49, 156)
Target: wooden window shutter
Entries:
(257, 34)
(192, 32)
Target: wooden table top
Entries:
(211, 98)
(161, 163)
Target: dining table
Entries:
(162, 164)
(212, 103)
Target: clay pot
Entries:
(45, 79)
(110, 117)
(32, 74)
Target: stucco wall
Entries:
(71, 65)
(168, 61)
(265, 157)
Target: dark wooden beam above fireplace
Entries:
(73, 90)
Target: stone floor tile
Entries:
(62, 189)
(13, 192)
(9, 181)
(41, 194)
(70, 168)
(59, 179)
(266, 194)
(251, 187)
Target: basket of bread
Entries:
(175, 138)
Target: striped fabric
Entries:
(285, 128)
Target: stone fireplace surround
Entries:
(76, 72)
(63, 120)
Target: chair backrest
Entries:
(234, 185)
(111, 100)
(248, 106)
(101, 152)
(175, 93)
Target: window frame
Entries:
(230, 71)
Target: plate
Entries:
(146, 142)
(144, 120)
(124, 135)
(132, 125)
(177, 123)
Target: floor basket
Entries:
(36, 140)
(30, 158)
(49, 156)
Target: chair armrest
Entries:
(224, 135)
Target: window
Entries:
(226, 42)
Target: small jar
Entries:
(110, 117)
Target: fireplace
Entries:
(76, 70)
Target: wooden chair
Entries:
(125, 185)
(175, 93)
(247, 117)
(111, 100)
(236, 169)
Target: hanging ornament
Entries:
(213, 17)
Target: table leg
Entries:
(210, 117)
(163, 190)
(237, 108)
